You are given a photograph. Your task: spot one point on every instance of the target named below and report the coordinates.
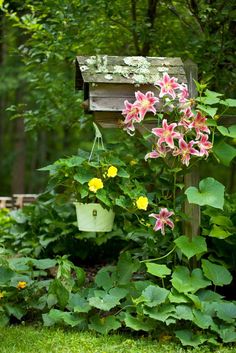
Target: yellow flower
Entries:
(21, 285)
(112, 172)
(1, 295)
(133, 162)
(95, 184)
(142, 203)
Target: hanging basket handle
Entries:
(98, 141)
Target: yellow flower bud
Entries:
(21, 285)
(133, 162)
(1, 295)
(95, 184)
(142, 203)
(112, 172)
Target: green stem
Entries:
(174, 192)
(213, 136)
(126, 306)
(160, 258)
(163, 283)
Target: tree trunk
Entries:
(18, 168)
(2, 96)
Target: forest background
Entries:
(41, 114)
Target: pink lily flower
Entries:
(162, 219)
(145, 103)
(199, 124)
(166, 133)
(129, 128)
(184, 120)
(204, 145)
(186, 150)
(168, 85)
(160, 151)
(184, 94)
(131, 112)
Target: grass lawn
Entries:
(21, 339)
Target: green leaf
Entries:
(122, 202)
(74, 161)
(186, 282)
(228, 131)
(44, 264)
(71, 319)
(229, 102)
(187, 338)
(102, 196)
(78, 304)
(5, 275)
(208, 110)
(104, 301)
(210, 192)
(163, 313)
(80, 276)
(104, 325)
(158, 270)
(154, 295)
(51, 300)
(218, 274)
(224, 152)
(175, 297)
(126, 266)
(15, 310)
(210, 97)
(227, 311)
(123, 173)
(47, 320)
(191, 247)
(195, 299)
(83, 176)
(201, 319)
(183, 312)
(228, 334)
(119, 293)
(62, 294)
(208, 295)
(4, 319)
(138, 323)
(221, 221)
(219, 232)
(19, 264)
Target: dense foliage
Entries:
(151, 273)
(38, 48)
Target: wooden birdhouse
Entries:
(107, 81)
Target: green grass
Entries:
(20, 339)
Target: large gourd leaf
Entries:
(186, 282)
(158, 270)
(218, 274)
(191, 247)
(210, 192)
(105, 324)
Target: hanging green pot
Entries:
(92, 217)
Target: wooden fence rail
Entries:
(16, 200)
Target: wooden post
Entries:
(192, 226)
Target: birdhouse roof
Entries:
(126, 69)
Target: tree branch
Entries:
(151, 16)
(134, 26)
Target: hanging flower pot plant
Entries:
(99, 186)
(96, 188)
